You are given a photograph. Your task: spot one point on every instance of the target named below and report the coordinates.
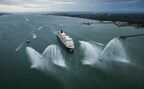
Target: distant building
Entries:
(120, 24)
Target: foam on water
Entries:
(115, 51)
(26, 19)
(43, 61)
(40, 27)
(91, 52)
(19, 47)
(62, 25)
(34, 35)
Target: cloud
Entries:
(70, 5)
(18, 8)
(64, 1)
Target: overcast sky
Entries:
(70, 5)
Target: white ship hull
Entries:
(69, 45)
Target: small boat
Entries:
(66, 41)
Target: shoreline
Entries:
(119, 19)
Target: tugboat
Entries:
(66, 41)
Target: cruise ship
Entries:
(66, 41)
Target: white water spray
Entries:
(36, 59)
(115, 51)
(91, 52)
(43, 61)
(53, 53)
